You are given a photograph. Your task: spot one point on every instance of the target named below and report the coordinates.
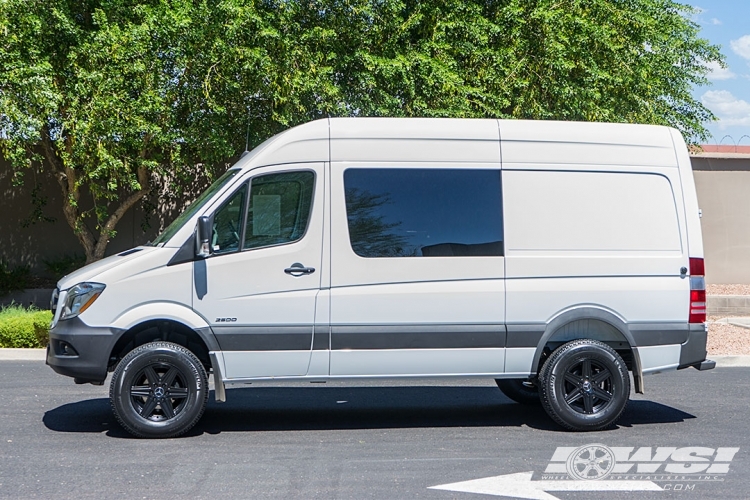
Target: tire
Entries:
(584, 385)
(159, 390)
(519, 390)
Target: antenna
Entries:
(247, 136)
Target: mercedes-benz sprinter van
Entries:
(552, 257)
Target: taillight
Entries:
(697, 291)
(697, 268)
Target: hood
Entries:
(90, 272)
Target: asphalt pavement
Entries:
(376, 440)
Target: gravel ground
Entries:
(724, 338)
(728, 289)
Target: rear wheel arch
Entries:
(589, 323)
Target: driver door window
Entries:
(279, 208)
(228, 224)
(278, 212)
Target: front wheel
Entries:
(159, 390)
(584, 385)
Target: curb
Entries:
(722, 361)
(730, 360)
(21, 354)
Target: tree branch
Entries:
(106, 230)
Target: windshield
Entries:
(194, 207)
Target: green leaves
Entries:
(116, 93)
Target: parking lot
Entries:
(380, 440)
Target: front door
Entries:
(259, 286)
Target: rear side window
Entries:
(420, 212)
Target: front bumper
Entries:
(80, 351)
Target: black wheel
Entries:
(520, 391)
(584, 385)
(159, 390)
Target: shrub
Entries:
(20, 327)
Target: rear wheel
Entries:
(520, 391)
(159, 390)
(584, 385)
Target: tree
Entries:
(110, 95)
(591, 60)
(87, 92)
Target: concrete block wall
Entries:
(728, 305)
(722, 181)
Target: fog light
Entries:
(63, 348)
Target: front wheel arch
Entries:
(199, 342)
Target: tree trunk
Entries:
(127, 204)
(66, 177)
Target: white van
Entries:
(552, 257)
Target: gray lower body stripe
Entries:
(525, 335)
(322, 337)
(417, 337)
(264, 338)
(300, 338)
(644, 334)
(286, 338)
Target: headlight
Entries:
(79, 298)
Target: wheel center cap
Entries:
(586, 386)
(159, 392)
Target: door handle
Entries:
(298, 269)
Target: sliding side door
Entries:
(417, 270)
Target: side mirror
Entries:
(203, 238)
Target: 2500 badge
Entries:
(225, 320)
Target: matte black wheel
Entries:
(520, 391)
(584, 385)
(159, 390)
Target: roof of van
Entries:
(457, 140)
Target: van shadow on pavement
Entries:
(333, 408)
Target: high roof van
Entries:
(552, 257)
